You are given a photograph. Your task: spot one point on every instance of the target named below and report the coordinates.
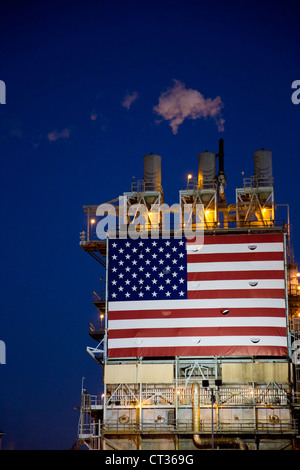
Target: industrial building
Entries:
(197, 336)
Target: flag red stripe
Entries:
(202, 331)
(244, 238)
(196, 313)
(231, 257)
(232, 275)
(252, 293)
(196, 351)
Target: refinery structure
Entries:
(197, 337)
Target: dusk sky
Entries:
(91, 87)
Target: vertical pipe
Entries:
(225, 219)
(221, 156)
(88, 225)
(212, 422)
(106, 301)
(141, 410)
(212, 417)
(195, 409)
(176, 390)
(286, 299)
(106, 327)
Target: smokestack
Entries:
(152, 172)
(221, 175)
(221, 156)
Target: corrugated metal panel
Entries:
(156, 373)
(262, 372)
(139, 373)
(120, 373)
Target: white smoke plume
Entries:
(180, 103)
(129, 99)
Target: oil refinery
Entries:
(197, 336)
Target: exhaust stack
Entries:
(221, 175)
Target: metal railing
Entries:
(91, 401)
(230, 426)
(205, 184)
(242, 426)
(171, 228)
(254, 182)
(89, 430)
(168, 397)
(140, 186)
(97, 328)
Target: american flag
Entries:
(174, 297)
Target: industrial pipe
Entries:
(221, 174)
(199, 441)
(221, 156)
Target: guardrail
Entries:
(231, 396)
(91, 234)
(90, 430)
(91, 401)
(185, 427)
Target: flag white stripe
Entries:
(205, 322)
(186, 304)
(234, 248)
(195, 341)
(236, 284)
(235, 266)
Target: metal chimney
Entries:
(152, 172)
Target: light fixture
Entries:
(93, 221)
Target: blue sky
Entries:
(66, 139)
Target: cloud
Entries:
(55, 135)
(129, 99)
(180, 103)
